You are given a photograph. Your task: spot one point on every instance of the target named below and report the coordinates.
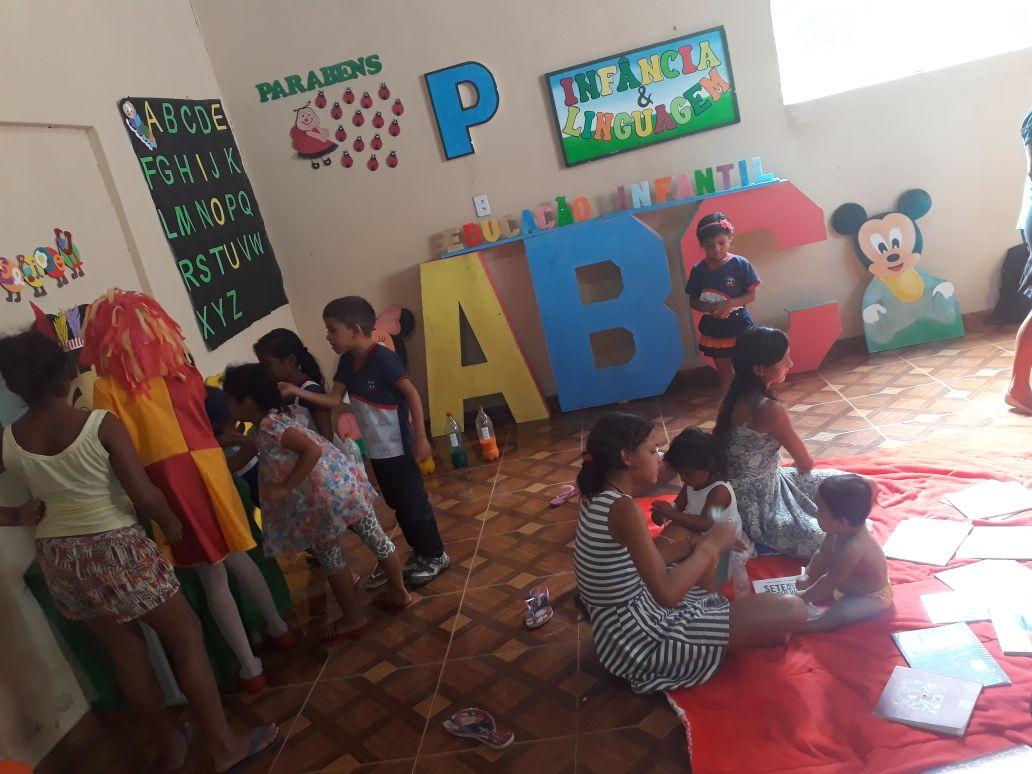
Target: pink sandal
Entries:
(563, 496)
(473, 723)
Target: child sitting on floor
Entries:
(849, 566)
(695, 457)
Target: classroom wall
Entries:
(67, 161)
(952, 132)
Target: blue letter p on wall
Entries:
(454, 120)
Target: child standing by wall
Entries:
(720, 286)
(312, 493)
(288, 360)
(390, 415)
(99, 564)
(652, 623)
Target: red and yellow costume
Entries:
(145, 377)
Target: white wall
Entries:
(65, 66)
(952, 132)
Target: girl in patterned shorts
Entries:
(311, 494)
(87, 489)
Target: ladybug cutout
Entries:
(378, 120)
(349, 96)
(377, 143)
(392, 160)
(394, 129)
(320, 99)
(336, 112)
(384, 92)
(397, 108)
(359, 144)
(366, 101)
(373, 164)
(358, 119)
(340, 134)
(346, 161)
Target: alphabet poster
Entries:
(206, 206)
(645, 96)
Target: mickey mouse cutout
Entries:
(903, 305)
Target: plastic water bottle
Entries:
(456, 443)
(486, 435)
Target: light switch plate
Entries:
(482, 205)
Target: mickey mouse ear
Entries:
(848, 219)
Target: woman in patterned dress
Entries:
(652, 623)
(777, 504)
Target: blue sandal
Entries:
(254, 751)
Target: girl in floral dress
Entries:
(311, 494)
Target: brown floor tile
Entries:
(514, 511)
(538, 472)
(807, 389)
(419, 635)
(463, 484)
(491, 618)
(348, 764)
(523, 690)
(533, 552)
(298, 666)
(560, 433)
(358, 720)
(632, 749)
(885, 370)
(923, 404)
(983, 360)
(679, 413)
(845, 444)
(460, 552)
(551, 756)
(109, 745)
(932, 428)
(826, 419)
(460, 519)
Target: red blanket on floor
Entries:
(807, 707)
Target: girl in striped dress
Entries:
(651, 622)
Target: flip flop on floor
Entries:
(539, 608)
(254, 750)
(564, 495)
(473, 723)
(188, 763)
(332, 634)
(381, 602)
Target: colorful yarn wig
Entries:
(129, 337)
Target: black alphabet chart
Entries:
(206, 206)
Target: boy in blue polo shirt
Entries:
(390, 415)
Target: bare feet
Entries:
(178, 750)
(245, 747)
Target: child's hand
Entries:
(288, 390)
(423, 449)
(272, 493)
(721, 536)
(661, 511)
(172, 530)
(31, 513)
(803, 582)
(233, 438)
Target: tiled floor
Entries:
(377, 705)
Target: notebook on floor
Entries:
(1010, 761)
(954, 606)
(928, 701)
(990, 577)
(953, 650)
(990, 499)
(926, 541)
(1013, 623)
(997, 543)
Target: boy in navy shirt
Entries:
(719, 286)
(390, 415)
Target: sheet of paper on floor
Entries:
(926, 541)
(989, 578)
(953, 606)
(990, 499)
(997, 543)
(1013, 624)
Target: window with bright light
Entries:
(831, 46)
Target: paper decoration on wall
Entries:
(780, 208)
(210, 216)
(65, 327)
(811, 332)
(311, 141)
(319, 81)
(902, 305)
(640, 309)
(137, 126)
(59, 265)
(450, 289)
(645, 96)
(453, 119)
